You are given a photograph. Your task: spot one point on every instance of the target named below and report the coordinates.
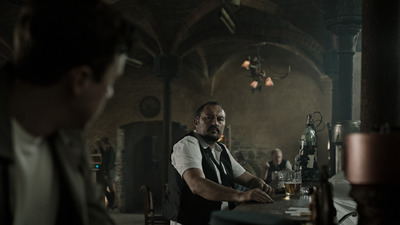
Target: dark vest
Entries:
(273, 168)
(182, 205)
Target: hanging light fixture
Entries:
(259, 76)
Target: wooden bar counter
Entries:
(281, 204)
(253, 213)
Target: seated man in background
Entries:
(203, 173)
(67, 56)
(276, 164)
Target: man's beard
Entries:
(211, 138)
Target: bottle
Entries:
(309, 138)
(307, 159)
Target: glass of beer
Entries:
(292, 183)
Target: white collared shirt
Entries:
(186, 155)
(36, 184)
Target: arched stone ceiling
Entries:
(194, 31)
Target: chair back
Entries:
(147, 200)
(150, 216)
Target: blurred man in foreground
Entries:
(67, 56)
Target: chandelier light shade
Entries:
(254, 84)
(246, 64)
(268, 82)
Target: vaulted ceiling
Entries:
(193, 29)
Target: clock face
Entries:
(150, 106)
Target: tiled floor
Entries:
(128, 218)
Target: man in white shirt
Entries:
(203, 173)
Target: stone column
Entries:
(166, 67)
(380, 80)
(343, 18)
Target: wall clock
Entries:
(150, 106)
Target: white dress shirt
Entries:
(186, 155)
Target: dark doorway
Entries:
(142, 161)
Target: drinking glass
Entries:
(292, 183)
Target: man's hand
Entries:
(255, 195)
(258, 183)
(267, 189)
(252, 182)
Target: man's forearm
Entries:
(215, 192)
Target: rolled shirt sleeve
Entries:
(186, 155)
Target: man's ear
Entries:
(79, 78)
(196, 121)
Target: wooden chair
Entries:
(150, 217)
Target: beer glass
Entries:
(292, 182)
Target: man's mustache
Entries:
(213, 127)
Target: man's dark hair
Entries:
(200, 109)
(52, 37)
